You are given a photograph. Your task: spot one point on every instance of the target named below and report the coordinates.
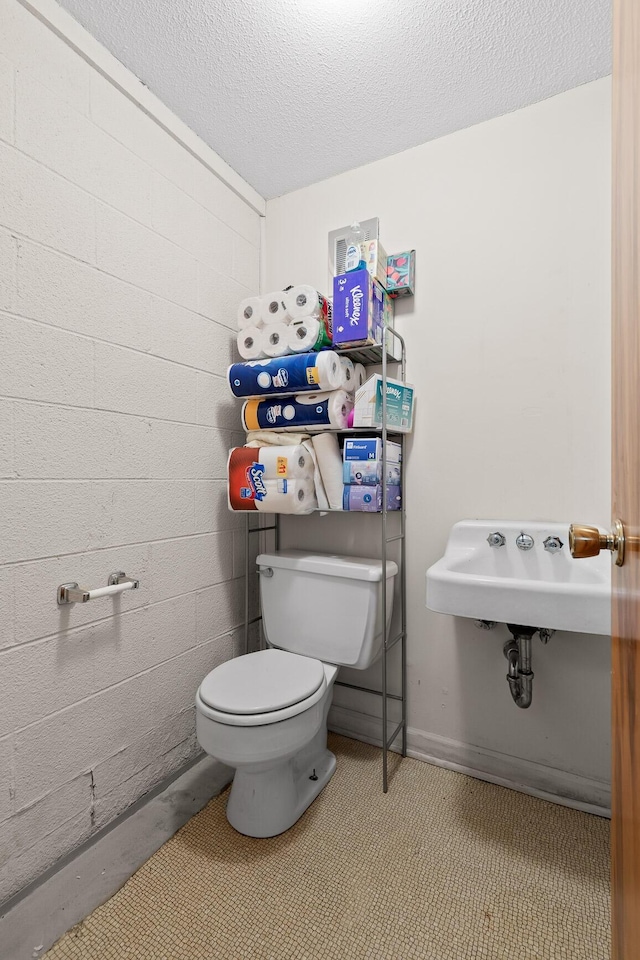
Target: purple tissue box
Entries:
(369, 499)
(359, 308)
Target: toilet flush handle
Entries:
(265, 571)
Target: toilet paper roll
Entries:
(327, 450)
(303, 301)
(308, 335)
(348, 374)
(288, 496)
(360, 374)
(319, 411)
(249, 313)
(300, 373)
(272, 308)
(285, 463)
(275, 339)
(250, 342)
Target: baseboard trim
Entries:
(34, 919)
(515, 773)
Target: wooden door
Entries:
(625, 854)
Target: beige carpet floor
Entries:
(443, 867)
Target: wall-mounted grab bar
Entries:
(118, 582)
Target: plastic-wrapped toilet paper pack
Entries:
(250, 343)
(273, 309)
(300, 373)
(249, 313)
(288, 496)
(272, 479)
(322, 411)
(309, 334)
(303, 301)
(329, 460)
(369, 499)
(348, 374)
(275, 340)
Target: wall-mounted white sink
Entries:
(532, 587)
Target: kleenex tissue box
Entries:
(368, 407)
(360, 309)
(401, 274)
(376, 259)
(370, 448)
(369, 499)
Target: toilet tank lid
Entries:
(327, 564)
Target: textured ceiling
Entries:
(289, 92)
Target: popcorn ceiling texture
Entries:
(290, 92)
(441, 868)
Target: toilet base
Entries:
(266, 801)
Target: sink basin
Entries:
(533, 587)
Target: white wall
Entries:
(122, 260)
(508, 346)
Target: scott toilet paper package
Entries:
(271, 479)
(305, 372)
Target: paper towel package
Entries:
(368, 406)
(322, 411)
(360, 309)
(369, 472)
(301, 373)
(369, 499)
(370, 448)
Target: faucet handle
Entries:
(496, 539)
(553, 544)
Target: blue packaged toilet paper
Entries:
(324, 411)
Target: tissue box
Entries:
(401, 274)
(368, 407)
(370, 448)
(376, 259)
(360, 309)
(369, 472)
(369, 499)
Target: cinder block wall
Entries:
(122, 260)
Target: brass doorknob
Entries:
(587, 541)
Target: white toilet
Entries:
(265, 713)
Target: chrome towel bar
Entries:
(118, 582)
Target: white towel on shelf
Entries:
(321, 496)
(274, 438)
(329, 460)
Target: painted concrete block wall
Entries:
(508, 347)
(122, 259)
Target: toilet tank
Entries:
(325, 606)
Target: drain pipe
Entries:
(518, 653)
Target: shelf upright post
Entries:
(385, 785)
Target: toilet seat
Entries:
(260, 688)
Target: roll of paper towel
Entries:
(250, 343)
(320, 411)
(249, 313)
(304, 301)
(288, 496)
(360, 374)
(327, 452)
(300, 373)
(348, 374)
(272, 308)
(285, 463)
(308, 335)
(275, 339)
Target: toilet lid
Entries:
(261, 682)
